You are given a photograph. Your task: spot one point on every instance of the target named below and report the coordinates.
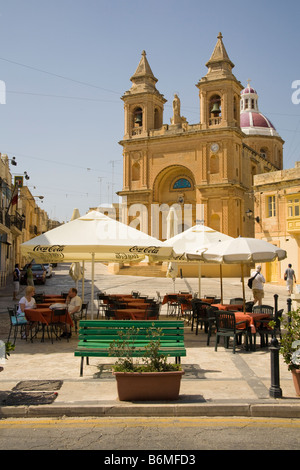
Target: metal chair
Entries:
(263, 309)
(58, 322)
(264, 329)
(82, 314)
(102, 305)
(199, 314)
(249, 306)
(15, 324)
(237, 300)
(226, 326)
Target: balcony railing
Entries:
(17, 221)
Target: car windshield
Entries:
(37, 267)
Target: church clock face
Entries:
(214, 147)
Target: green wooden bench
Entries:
(95, 337)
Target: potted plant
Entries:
(290, 346)
(154, 379)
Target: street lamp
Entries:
(249, 214)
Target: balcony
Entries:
(16, 223)
(293, 225)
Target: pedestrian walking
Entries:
(289, 277)
(16, 281)
(258, 285)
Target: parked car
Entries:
(48, 268)
(38, 271)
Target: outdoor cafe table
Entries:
(130, 314)
(251, 318)
(48, 304)
(174, 297)
(43, 315)
(228, 306)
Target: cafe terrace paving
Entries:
(42, 379)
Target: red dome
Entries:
(248, 90)
(255, 119)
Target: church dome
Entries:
(247, 90)
(252, 121)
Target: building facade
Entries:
(210, 164)
(204, 170)
(277, 214)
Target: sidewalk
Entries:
(42, 379)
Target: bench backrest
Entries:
(170, 330)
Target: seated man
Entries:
(73, 302)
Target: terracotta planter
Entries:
(296, 379)
(145, 386)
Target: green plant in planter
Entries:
(153, 360)
(9, 347)
(290, 340)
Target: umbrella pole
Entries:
(92, 293)
(221, 279)
(199, 281)
(243, 285)
(82, 289)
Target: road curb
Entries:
(156, 410)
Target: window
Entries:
(293, 207)
(271, 207)
(182, 183)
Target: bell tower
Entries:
(219, 91)
(143, 104)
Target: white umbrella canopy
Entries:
(193, 240)
(93, 237)
(198, 237)
(243, 251)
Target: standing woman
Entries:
(28, 301)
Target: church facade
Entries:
(203, 170)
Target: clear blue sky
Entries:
(66, 63)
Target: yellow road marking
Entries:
(149, 422)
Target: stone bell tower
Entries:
(143, 104)
(219, 91)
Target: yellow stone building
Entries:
(277, 214)
(204, 170)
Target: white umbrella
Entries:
(244, 251)
(93, 237)
(193, 240)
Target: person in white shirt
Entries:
(258, 285)
(74, 303)
(28, 301)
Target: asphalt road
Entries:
(180, 436)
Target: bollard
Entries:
(275, 304)
(275, 390)
(289, 308)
